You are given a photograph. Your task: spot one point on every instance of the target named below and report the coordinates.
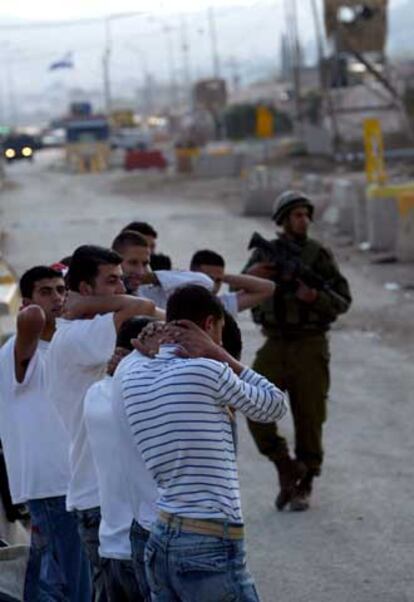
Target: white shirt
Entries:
(169, 280)
(35, 442)
(143, 490)
(105, 441)
(79, 352)
(230, 302)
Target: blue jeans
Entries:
(122, 585)
(88, 526)
(186, 567)
(139, 538)
(58, 569)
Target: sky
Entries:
(75, 9)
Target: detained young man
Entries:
(248, 291)
(139, 279)
(83, 344)
(177, 409)
(142, 488)
(36, 444)
(117, 475)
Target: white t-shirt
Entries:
(142, 488)
(105, 441)
(169, 280)
(35, 441)
(231, 303)
(79, 353)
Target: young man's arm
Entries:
(237, 386)
(169, 280)
(30, 324)
(122, 306)
(250, 290)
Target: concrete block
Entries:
(359, 214)
(219, 166)
(261, 188)
(343, 194)
(405, 232)
(318, 140)
(382, 215)
(313, 184)
(259, 202)
(13, 563)
(382, 218)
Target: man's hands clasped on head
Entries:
(150, 339)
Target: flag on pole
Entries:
(66, 62)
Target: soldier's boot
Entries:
(300, 501)
(290, 474)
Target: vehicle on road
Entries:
(19, 146)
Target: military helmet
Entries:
(287, 201)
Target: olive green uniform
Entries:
(295, 355)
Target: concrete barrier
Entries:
(382, 215)
(219, 165)
(405, 232)
(261, 188)
(13, 563)
(359, 214)
(343, 199)
(313, 184)
(9, 300)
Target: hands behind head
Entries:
(192, 341)
(149, 340)
(118, 355)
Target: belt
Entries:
(203, 527)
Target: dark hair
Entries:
(232, 337)
(29, 279)
(142, 228)
(195, 303)
(206, 257)
(128, 238)
(130, 329)
(85, 262)
(66, 260)
(159, 261)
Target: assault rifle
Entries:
(285, 256)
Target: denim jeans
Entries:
(139, 538)
(122, 585)
(186, 567)
(88, 525)
(58, 568)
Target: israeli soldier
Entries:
(295, 355)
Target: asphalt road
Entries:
(356, 543)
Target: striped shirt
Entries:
(177, 411)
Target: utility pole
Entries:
(297, 58)
(213, 39)
(324, 84)
(106, 66)
(186, 59)
(171, 64)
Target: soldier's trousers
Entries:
(301, 367)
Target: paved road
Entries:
(356, 544)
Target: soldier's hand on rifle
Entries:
(306, 294)
(262, 270)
